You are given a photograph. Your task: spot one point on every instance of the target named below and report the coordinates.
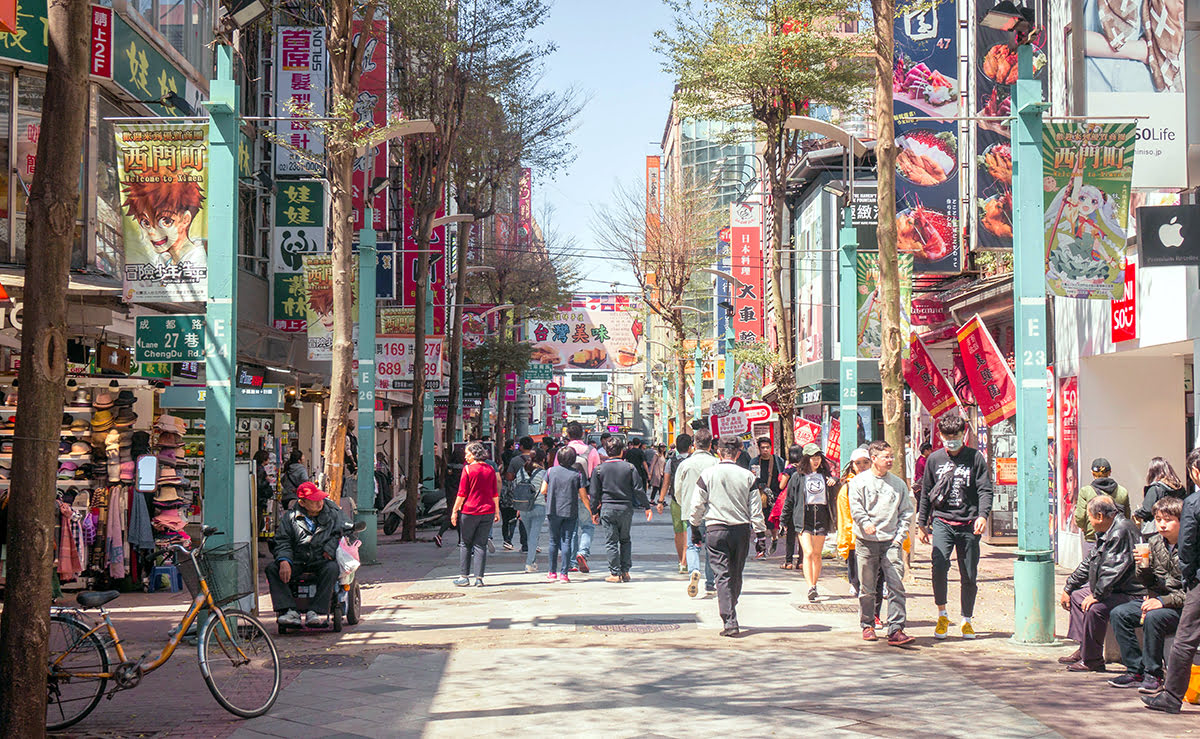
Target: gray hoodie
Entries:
(882, 501)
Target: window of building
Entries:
(110, 242)
(185, 24)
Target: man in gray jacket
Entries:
(726, 502)
(684, 480)
(882, 510)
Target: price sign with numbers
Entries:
(170, 338)
(394, 363)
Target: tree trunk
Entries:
(456, 334)
(889, 264)
(785, 382)
(53, 203)
(416, 434)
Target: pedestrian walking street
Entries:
(524, 657)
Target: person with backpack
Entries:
(508, 512)
(294, 475)
(1161, 482)
(955, 501)
(529, 498)
(1102, 484)
(616, 489)
(587, 456)
(667, 497)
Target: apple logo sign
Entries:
(1171, 233)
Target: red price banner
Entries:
(1124, 311)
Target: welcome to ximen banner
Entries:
(162, 177)
(1087, 169)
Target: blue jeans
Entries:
(533, 519)
(695, 553)
(562, 529)
(581, 538)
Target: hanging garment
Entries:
(116, 531)
(141, 535)
(70, 563)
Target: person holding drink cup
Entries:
(1158, 568)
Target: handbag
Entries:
(941, 488)
(522, 492)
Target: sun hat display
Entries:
(6, 446)
(66, 471)
(80, 426)
(166, 494)
(104, 399)
(125, 398)
(81, 449)
(168, 476)
(81, 399)
(127, 470)
(173, 424)
(169, 439)
(168, 456)
(102, 420)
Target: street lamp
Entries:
(1033, 571)
(698, 378)
(847, 279)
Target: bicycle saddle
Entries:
(95, 599)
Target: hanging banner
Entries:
(370, 109)
(926, 381)
(1123, 312)
(991, 380)
(162, 177)
(1087, 170)
(995, 75)
(525, 207)
(653, 167)
(594, 332)
(806, 431)
(870, 305)
(409, 258)
(300, 79)
(924, 78)
(746, 237)
(833, 444)
(299, 229)
(318, 289)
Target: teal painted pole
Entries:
(220, 315)
(485, 416)
(1033, 571)
(698, 379)
(728, 353)
(427, 473)
(666, 406)
(848, 332)
(367, 263)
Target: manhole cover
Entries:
(427, 596)
(827, 607)
(634, 628)
(322, 661)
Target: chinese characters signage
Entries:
(745, 238)
(141, 70)
(591, 333)
(299, 230)
(525, 207)
(988, 374)
(299, 80)
(411, 254)
(926, 381)
(162, 177)
(371, 106)
(394, 363)
(169, 339)
(101, 64)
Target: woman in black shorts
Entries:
(811, 505)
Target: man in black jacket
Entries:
(1187, 635)
(959, 517)
(617, 489)
(1104, 580)
(306, 540)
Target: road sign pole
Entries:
(367, 263)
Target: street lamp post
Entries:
(847, 281)
(485, 421)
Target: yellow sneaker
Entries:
(943, 625)
(967, 631)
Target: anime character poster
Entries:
(318, 289)
(162, 179)
(870, 305)
(1087, 171)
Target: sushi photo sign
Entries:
(926, 98)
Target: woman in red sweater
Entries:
(478, 505)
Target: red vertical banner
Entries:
(371, 105)
(987, 372)
(833, 443)
(525, 207)
(437, 259)
(1123, 312)
(745, 227)
(926, 381)
(102, 39)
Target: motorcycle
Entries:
(430, 511)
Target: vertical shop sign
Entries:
(1123, 312)
(924, 77)
(833, 443)
(370, 109)
(510, 386)
(102, 43)
(300, 83)
(318, 288)
(299, 230)
(410, 256)
(653, 209)
(162, 178)
(990, 378)
(1068, 451)
(870, 304)
(926, 381)
(995, 75)
(1088, 169)
(525, 207)
(746, 236)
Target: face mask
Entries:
(953, 445)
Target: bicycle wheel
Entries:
(242, 672)
(68, 698)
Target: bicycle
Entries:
(237, 657)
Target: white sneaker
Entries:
(291, 618)
(312, 619)
(531, 568)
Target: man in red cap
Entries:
(306, 540)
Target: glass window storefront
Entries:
(185, 24)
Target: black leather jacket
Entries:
(304, 541)
(1162, 578)
(1110, 568)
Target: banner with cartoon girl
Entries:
(162, 177)
(1087, 170)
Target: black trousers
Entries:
(728, 548)
(960, 540)
(282, 599)
(1159, 624)
(789, 542)
(510, 523)
(1183, 650)
(451, 496)
(473, 533)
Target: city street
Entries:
(522, 657)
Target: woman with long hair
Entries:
(811, 505)
(1161, 482)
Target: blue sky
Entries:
(605, 49)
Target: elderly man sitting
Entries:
(1104, 580)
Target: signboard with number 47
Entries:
(170, 338)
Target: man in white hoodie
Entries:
(882, 510)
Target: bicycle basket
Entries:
(226, 568)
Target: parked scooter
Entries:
(430, 511)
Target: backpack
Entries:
(522, 494)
